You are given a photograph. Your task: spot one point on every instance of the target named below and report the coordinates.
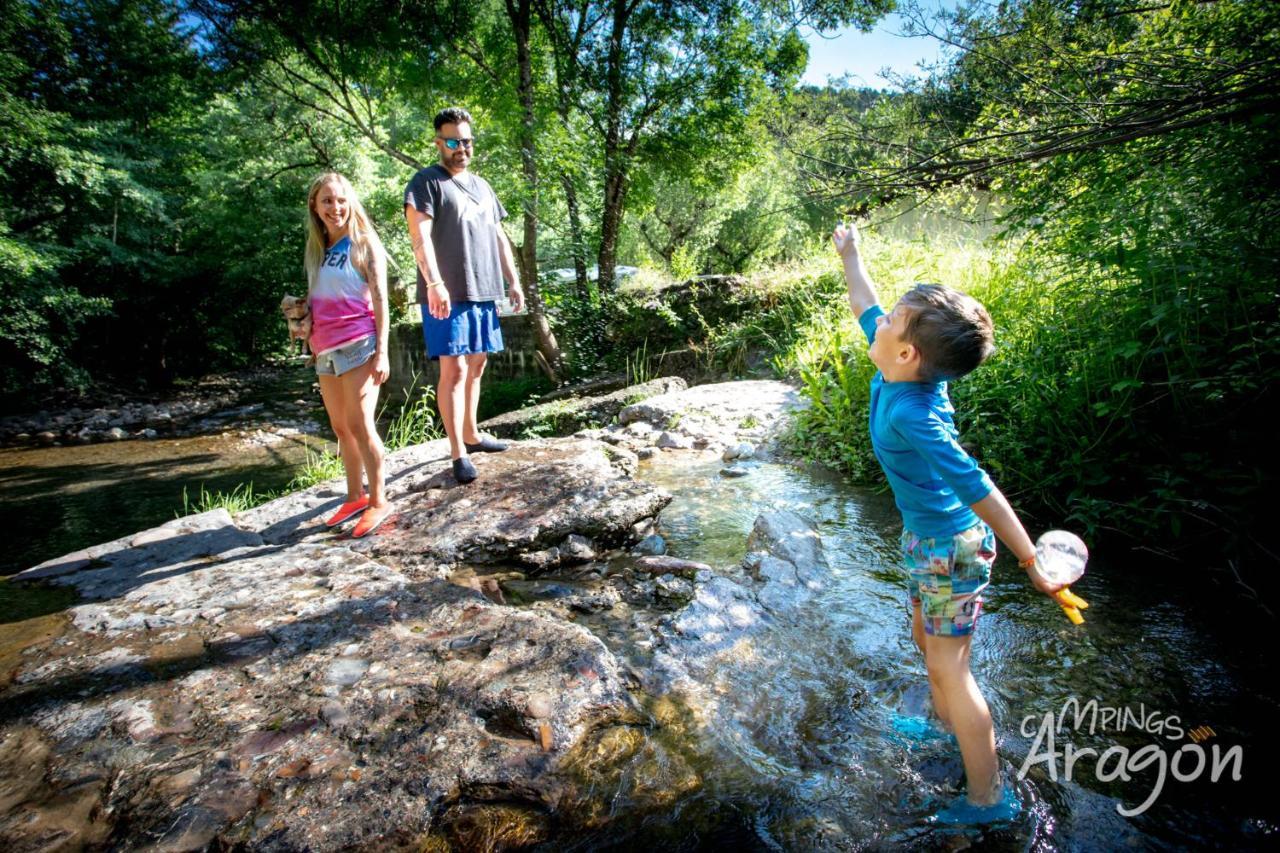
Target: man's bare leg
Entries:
(474, 371)
(451, 396)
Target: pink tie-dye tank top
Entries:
(341, 305)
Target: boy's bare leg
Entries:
(451, 396)
(948, 661)
(475, 369)
(935, 688)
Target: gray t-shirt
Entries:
(464, 232)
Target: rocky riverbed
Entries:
(210, 405)
(263, 680)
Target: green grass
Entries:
(415, 424)
(639, 367)
(554, 418)
(239, 499)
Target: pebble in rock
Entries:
(540, 706)
(117, 434)
(646, 452)
(738, 451)
(734, 471)
(675, 442)
(671, 587)
(671, 565)
(347, 671)
(577, 549)
(335, 715)
(652, 545)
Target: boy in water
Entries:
(951, 511)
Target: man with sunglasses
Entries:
(463, 256)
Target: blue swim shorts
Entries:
(349, 356)
(947, 577)
(472, 328)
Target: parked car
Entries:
(566, 275)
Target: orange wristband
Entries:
(1028, 564)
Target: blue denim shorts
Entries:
(472, 328)
(347, 357)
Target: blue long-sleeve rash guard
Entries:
(914, 437)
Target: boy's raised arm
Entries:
(862, 292)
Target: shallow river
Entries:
(67, 498)
(801, 751)
(803, 754)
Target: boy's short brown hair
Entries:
(951, 331)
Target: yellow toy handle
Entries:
(1071, 604)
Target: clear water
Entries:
(72, 497)
(802, 752)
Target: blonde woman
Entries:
(347, 290)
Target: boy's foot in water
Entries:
(913, 729)
(961, 812)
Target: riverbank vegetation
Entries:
(1098, 173)
(415, 423)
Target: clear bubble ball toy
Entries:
(1061, 557)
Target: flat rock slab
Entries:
(566, 415)
(725, 413)
(200, 535)
(300, 516)
(528, 499)
(262, 681)
(334, 687)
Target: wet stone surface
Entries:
(491, 656)
(254, 680)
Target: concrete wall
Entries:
(409, 358)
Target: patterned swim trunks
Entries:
(948, 575)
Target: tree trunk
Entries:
(577, 242)
(551, 361)
(615, 168)
(615, 191)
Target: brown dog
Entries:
(298, 316)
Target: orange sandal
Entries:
(369, 521)
(347, 510)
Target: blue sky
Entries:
(863, 55)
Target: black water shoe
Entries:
(463, 470)
(486, 445)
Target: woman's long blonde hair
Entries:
(365, 245)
